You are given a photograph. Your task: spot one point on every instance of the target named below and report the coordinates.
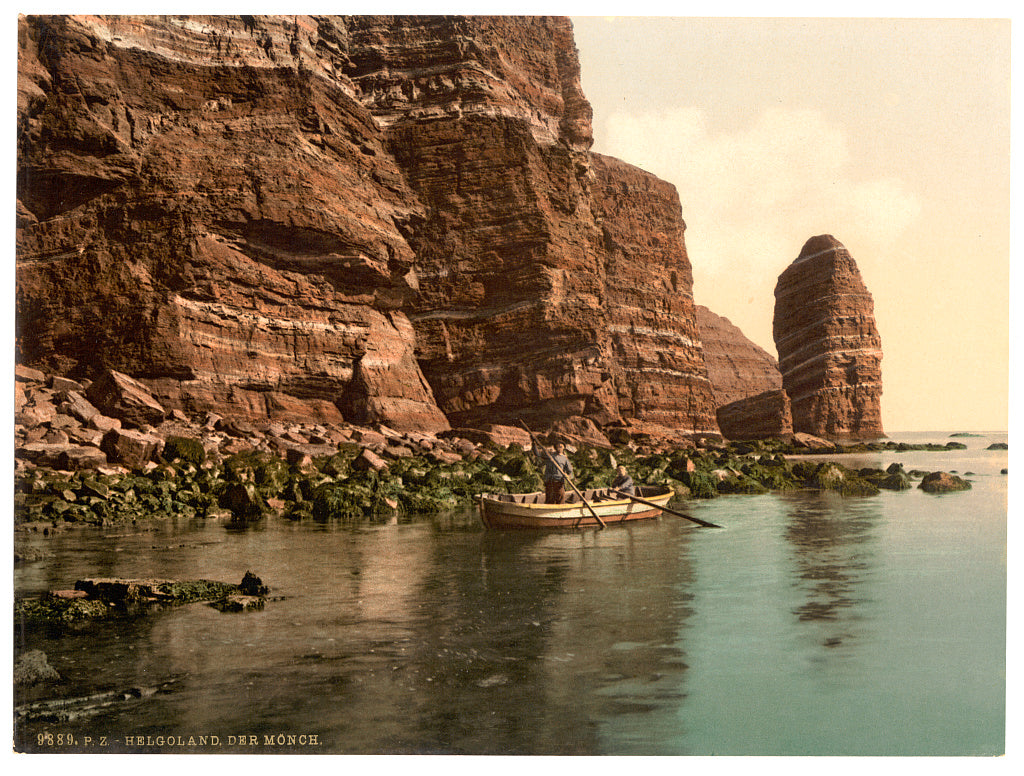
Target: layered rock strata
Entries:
(651, 317)
(764, 416)
(204, 204)
(486, 118)
(376, 219)
(737, 367)
(830, 352)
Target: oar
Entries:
(704, 523)
(564, 475)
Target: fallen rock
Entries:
(812, 442)
(102, 423)
(77, 458)
(368, 438)
(59, 384)
(119, 395)
(129, 447)
(75, 404)
(367, 459)
(40, 453)
(27, 374)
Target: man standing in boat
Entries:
(556, 468)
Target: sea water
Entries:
(809, 624)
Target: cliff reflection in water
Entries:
(410, 639)
(833, 542)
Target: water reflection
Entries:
(834, 542)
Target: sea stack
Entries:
(830, 352)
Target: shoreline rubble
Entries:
(75, 465)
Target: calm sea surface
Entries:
(809, 624)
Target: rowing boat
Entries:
(528, 510)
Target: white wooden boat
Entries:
(528, 510)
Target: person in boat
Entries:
(623, 481)
(554, 480)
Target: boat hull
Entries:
(497, 513)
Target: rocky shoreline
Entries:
(76, 463)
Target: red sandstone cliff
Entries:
(486, 118)
(737, 367)
(386, 219)
(746, 381)
(651, 317)
(830, 352)
(204, 203)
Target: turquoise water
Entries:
(808, 625)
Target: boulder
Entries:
(32, 667)
(75, 458)
(369, 438)
(40, 453)
(103, 423)
(75, 404)
(943, 482)
(27, 374)
(367, 459)
(35, 414)
(60, 384)
(121, 396)
(811, 442)
(130, 447)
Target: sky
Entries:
(892, 135)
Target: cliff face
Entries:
(830, 352)
(204, 203)
(486, 119)
(738, 368)
(764, 416)
(746, 381)
(386, 219)
(651, 318)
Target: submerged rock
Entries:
(98, 598)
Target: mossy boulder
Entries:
(243, 500)
(741, 484)
(835, 477)
(702, 484)
(896, 481)
(184, 449)
(346, 500)
(34, 611)
(943, 482)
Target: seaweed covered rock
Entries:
(100, 598)
(836, 477)
(32, 667)
(185, 449)
(741, 484)
(943, 482)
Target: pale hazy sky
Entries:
(891, 135)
